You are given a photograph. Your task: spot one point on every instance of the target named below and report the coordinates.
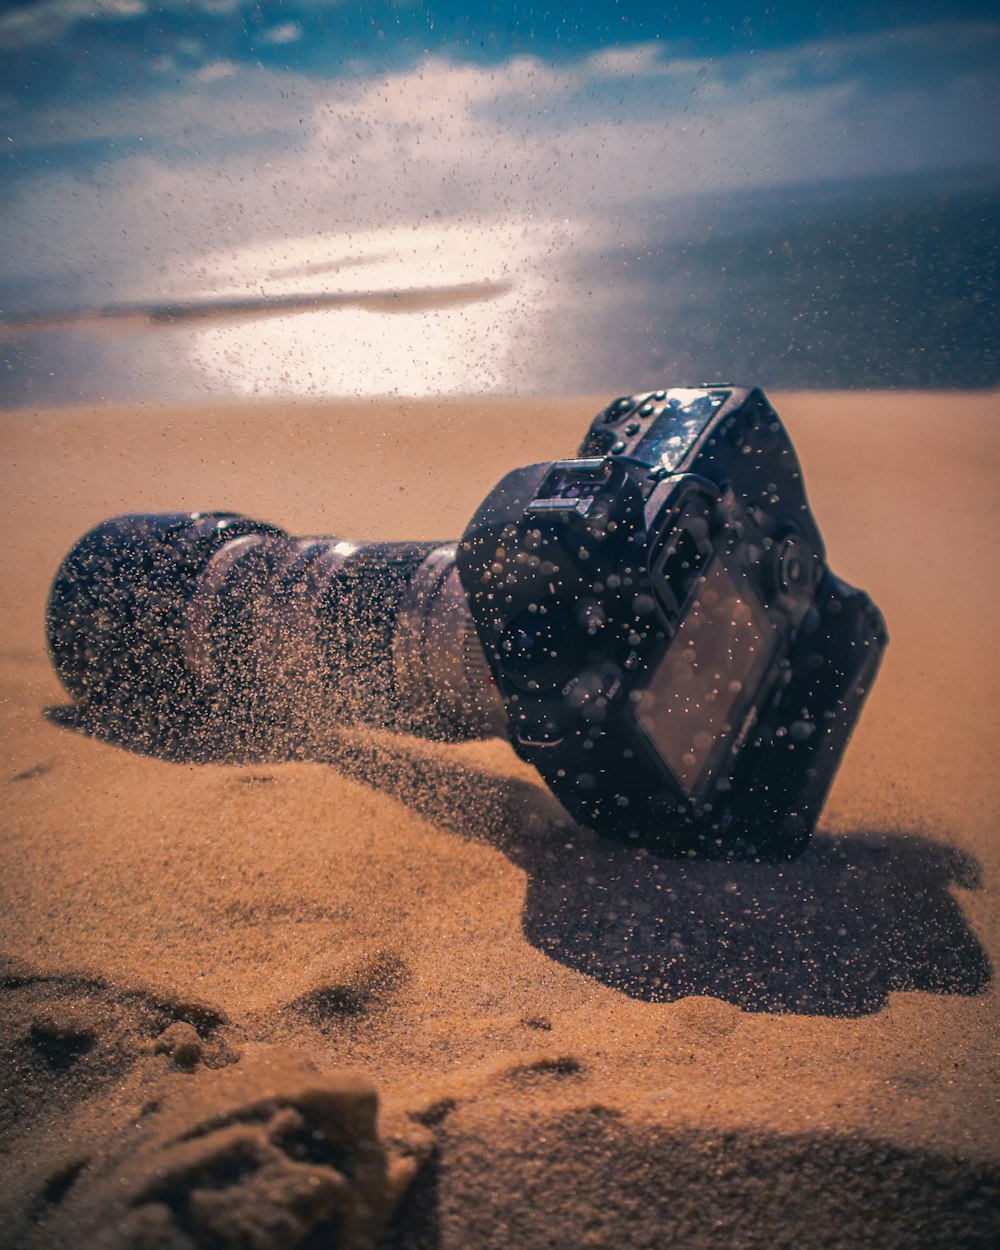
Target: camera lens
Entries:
(161, 625)
(115, 620)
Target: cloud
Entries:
(246, 176)
(287, 32)
(800, 103)
(623, 62)
(47, 20)
(253, 154)
(283, 152)
(214, 71)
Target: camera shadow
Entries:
(831, 933)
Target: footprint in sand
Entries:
(361, 990)
(64, 1037)
(267, 1153)
(543, 1067)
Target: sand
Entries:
(213, 973)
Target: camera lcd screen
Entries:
(700, 693)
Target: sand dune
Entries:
(212, 971)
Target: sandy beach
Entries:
(212, 971)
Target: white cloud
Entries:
(251, 107)
(287, 32)
(214, 71)
(639, 59)
(285, 156)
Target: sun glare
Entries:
(415, 310)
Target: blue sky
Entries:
(217, 150)
(49, 45)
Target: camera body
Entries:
(653, 624)
(675, 656)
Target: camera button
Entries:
(617, 408)
(794, 565)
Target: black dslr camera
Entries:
(652, 624)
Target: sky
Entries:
(402, 198)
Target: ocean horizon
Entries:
(891, 284)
